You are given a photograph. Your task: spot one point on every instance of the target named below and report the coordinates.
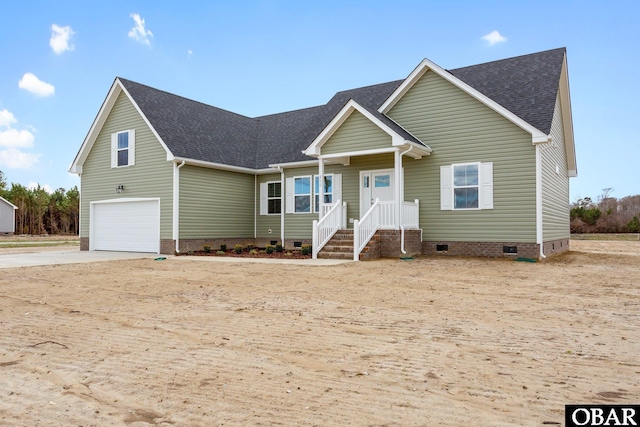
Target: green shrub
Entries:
(268, 249)
(305, 249)
(253, 252)
(207, 249)
(279, 247)
(634, 225)
(238, 249)
(221, 253)
(223, 248)
(248, 248)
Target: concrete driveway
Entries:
(64, 256)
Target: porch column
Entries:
(321, 189)
(397, 169)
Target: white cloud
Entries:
(34, 186)
(13, 158)
(60, 36)
(36, 86)
(16, 138)
(139, 32)
(6, 118)
(494, 37)
(189, 53)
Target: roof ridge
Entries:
(183, 97)
(508, 58)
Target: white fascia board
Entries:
(567, 120)
(170, 155)
(105, 110)
(212, 165)
(299, 164)
(358, 153)
(426, 65)
(98, 122)
(9, 203)
(350, 107)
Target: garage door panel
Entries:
(126, 226)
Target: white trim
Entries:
(427, 65)
(311, 195)
(176, 204)
(358, 153)
(92, 224)
(105, 110)
(314, 148)
(567, 120)
(266, 198)
(539, 235)
(294, 164)
(220, 166)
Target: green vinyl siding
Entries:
(215, 203)
(555, 186)
(355, 134)
(264, 223)
(461, 129)
(150, 177)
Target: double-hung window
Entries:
(466, 186)
(274, 197)
(328, 191)
(302, 194)
(123, 148)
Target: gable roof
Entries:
(2, 199)
(523, 89)
(526, 85)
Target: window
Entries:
(274, 197)
(328, 191)
(299, 189)
(466, 186)
(123, 149)
(302, 194)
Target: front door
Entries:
(375, 185)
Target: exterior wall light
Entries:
(119, 188)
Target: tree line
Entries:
(40, 212)
(606, 214)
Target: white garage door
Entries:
(130, 226)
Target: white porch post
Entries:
(321, 189)
(397, 170)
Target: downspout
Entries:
(282, 205)
(539, 235)
(255, 215)
(176, 204)
(404, 252)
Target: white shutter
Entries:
(289, 192)
(486, 185)
(337, 187)
(446, 192)
(114, 150)
(263, 198)
(132, 147)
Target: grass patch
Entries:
(38, 244)
(626, 237)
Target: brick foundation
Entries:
(84, 243)
(390, 243)
(482, 249)
(555, 247)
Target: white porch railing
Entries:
(387, 215)
(324, 229)
(411, 215)
(365, 228)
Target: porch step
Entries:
(341, 247)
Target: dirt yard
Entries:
(435, 341)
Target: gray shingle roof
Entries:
(525, 85)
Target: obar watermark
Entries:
(601, 415)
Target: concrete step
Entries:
(335, 255)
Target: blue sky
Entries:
(59, 59)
